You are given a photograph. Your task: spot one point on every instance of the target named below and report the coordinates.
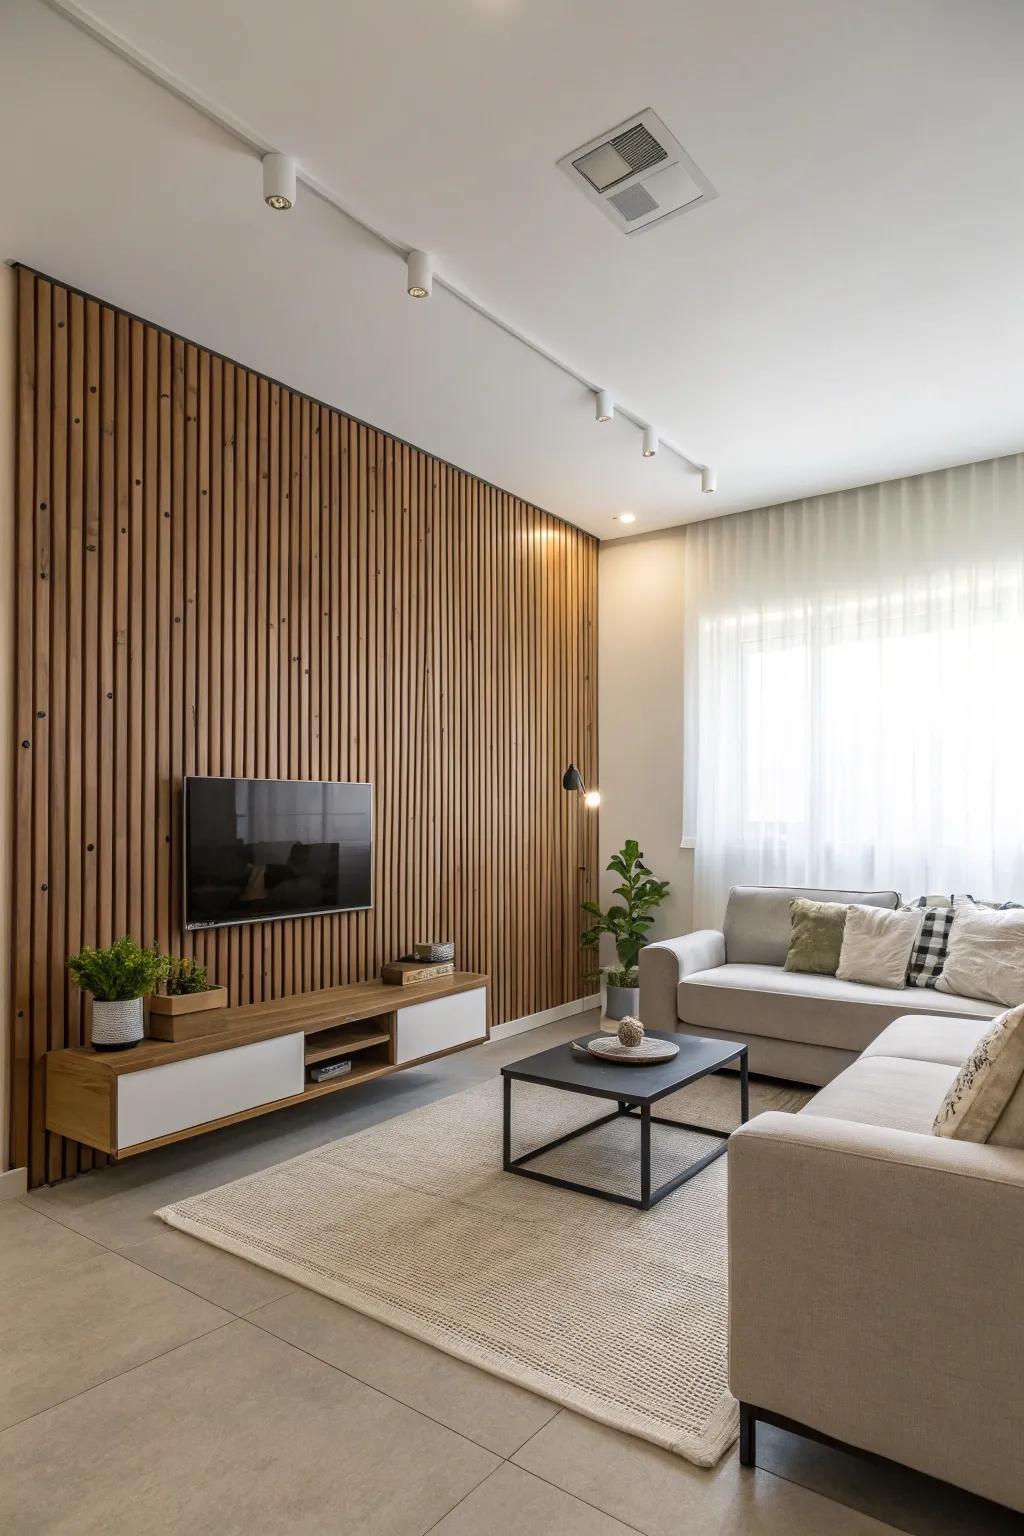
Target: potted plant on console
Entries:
(627, 924)
(182, 1008)
(187, 989)
(118, 978)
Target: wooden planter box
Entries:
(187, 1016)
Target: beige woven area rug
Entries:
(617, 1313)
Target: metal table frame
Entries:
(625, 1106)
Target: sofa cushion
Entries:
(887, 1091)
(815, 935)
(985, 957)
(929, 954)
(987, 1083)
(877, 946)
(740, 1000)
(757, 926)
(949, 1041)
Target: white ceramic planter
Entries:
(117, 1026)
(621, 1002)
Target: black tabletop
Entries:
(562, 1067)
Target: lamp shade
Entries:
(572, 780)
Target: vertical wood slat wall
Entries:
(218, 576)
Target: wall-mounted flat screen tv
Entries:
(257, 849)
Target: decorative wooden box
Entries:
(187, 1015)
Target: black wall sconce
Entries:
(572, 780)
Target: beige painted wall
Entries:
(8, 288)
(640, 711)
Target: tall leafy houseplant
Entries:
(118, 977)
(627, 923)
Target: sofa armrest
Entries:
(663, 966)
(871, 1277)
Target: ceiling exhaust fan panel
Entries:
(638, 174)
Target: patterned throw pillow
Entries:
(986, 1083)
(929, 953)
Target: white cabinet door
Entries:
(161, 1100)
(424, 1028)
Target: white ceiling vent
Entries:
(638, 174)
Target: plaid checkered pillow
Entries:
(929, 953)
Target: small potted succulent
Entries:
(187, 989)
(117, 978)
(627, 923)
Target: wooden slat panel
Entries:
(219, 575)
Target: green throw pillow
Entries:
(817, 936)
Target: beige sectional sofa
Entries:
(731, 985)
(876, 1271)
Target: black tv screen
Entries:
(257, 849)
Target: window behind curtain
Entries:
(855, 697)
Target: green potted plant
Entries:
(185, 989)
(117, 978)
(627, 923)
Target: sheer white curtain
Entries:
(854, 709)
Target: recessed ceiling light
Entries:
(278, 182)
(626, 517)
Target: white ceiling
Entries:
(848, 309)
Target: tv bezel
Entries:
(275, 917)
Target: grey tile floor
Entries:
(153, 1384)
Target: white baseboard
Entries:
(548, 1016)
(13, 1183)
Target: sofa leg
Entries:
(748, 1435)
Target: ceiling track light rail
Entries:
(281, 176)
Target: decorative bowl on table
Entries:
(630, 1046)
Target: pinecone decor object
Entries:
(631, 1032)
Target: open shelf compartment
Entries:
(345, 1039)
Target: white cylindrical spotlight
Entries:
(279, 181)
(604, 405)
(420, 269)
(708, 481)
(650, 447)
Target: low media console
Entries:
(255, 1060)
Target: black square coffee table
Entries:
(632, 1088)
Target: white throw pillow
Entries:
(877, 945)
(985, 956)
(987, 1086)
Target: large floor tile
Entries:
(220, 1277)
(663, 1495)
(906, 1499)
(240, 1434)
(513, 1503)
(493, 1412)
(66, 1330)
(117, 1205)
(32, 1244)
